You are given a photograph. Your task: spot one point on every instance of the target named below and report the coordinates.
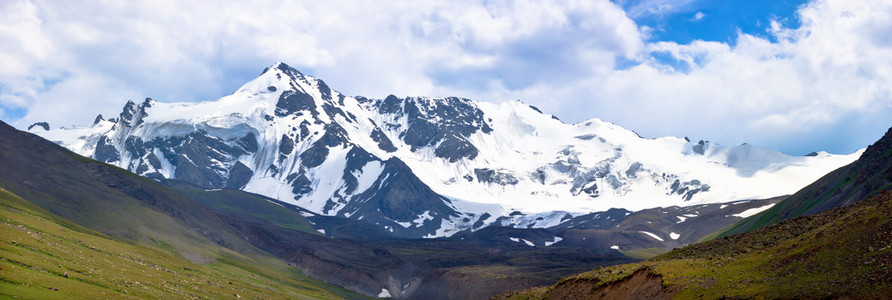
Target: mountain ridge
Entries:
(289, 136)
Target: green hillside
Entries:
(43, 256)
(843, 252)
(111, 200)
(245, 207)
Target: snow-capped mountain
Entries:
(426, 167)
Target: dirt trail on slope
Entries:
(643, 284)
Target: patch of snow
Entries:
(450, 226)
(723, 206)
(614, 247)
(539, 220)
(273, 202)
(423, 217)
(322, 231)
(681, 219)
(384, 294)
(369, 174)
(674, 235)
(514, 239)
(528, 243)
(753, 211)
(652, 235)
(404, 224)
(556, 239)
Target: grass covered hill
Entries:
(43, 256)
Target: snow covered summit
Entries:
(426, 167)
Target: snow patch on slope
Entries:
(652, 235)
(753, 211)
(384, 293)
(556, 239)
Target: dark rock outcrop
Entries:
(44, 125)
(400, 196)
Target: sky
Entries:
(793, 76)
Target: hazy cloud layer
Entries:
(822, 86)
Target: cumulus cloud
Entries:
(835, 66)
(802, 90)
(698, 16)
(172, 50)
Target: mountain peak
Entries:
(282, 66)
(287, 70)
(44, 125)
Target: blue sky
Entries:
(795, 76)
(686, 21)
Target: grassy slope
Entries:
(44, 256)
(111, 200)
(247, 207)
(841, 252)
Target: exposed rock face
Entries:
(292, 102)
(105, 152)
(395, 195)
(44, 125)
(384, 143)
(495, 177)
(446, 124)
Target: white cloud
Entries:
(646, 8)
(67, 61)
(835, 65)
(699, 16)
(21, 40)
(173, 50)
